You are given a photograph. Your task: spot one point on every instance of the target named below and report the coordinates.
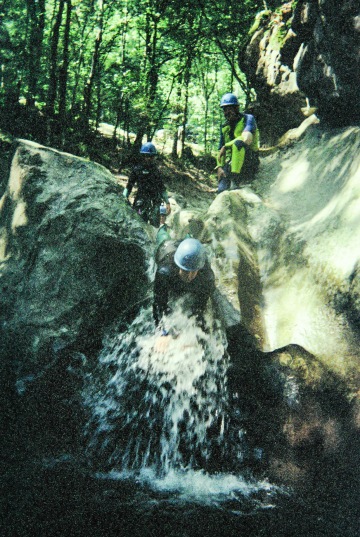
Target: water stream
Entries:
(169, 420)
(167, 452)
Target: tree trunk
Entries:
(36, 13)
(63, 72)
(53, 71)
(74, 107)
(174, 145)
(98, 102)
(187, 78)
(94, 63)
(207, 91)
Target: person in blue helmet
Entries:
(151, 191)
(238, 158)
(182, 269)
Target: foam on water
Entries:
(165, 418)
(197, 485)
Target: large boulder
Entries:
(286, 250)
(303, 57)
(328, 61)
(286, 258)
(268, 61)
(73, 257)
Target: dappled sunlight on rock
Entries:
(230, 241)
(296, 310)
(19, 217)
(287, 248)
(322, 166)
(3, 246)
(294, 175)
(16, 180)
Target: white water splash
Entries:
(199, 486)
(165, 419)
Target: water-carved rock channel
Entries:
(249, 426)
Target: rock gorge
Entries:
(74, 259)
(304, 56)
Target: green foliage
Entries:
(259, 21)
(140, 65)
(280, 24)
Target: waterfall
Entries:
(167, 418)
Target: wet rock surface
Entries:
(66, 235)
(302, 57)
(73, 258)
(69, 245)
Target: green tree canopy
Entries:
(140, 65)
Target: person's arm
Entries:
(250, 127)
(161, 294)
(161, 189)
(165, 198)
(220, 160)
(205, 288)
(221, 157)
(130, 185)
(244, 138)
(247, 138)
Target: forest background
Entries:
(68, 66)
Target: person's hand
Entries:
(220, 173)
(162, 344)
(168, 208)
(222, 152)
(240, 144)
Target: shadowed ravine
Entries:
(245, 427)
(167, 452)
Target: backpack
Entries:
(164, 254)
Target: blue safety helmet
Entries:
(229, 99)
(190, 255)
(148, 149)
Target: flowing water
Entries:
(169, 419)
(166, 453)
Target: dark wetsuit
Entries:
(151, 191)
(168, 285)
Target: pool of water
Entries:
(60, 497)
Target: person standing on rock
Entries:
(151, 191)
(182, 269)
(238, 158)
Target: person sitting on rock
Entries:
(151, 191)
(238, 158)
(182, 269)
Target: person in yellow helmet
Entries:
(238, 159)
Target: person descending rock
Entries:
(182, 269)
(163, 233)
(238, 158)
(151, 191)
